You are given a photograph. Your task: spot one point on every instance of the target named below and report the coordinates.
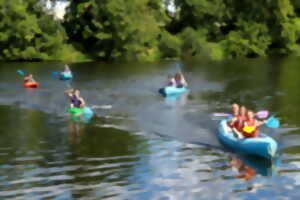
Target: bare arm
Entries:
(82, 102)
(232, 120)
(238, 133)
(69, 92)
(183, 81)
(260, 123)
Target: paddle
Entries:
(178, 67)
(55, 74)
(272, 122)
(260, 114)
(21, 72)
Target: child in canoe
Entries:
(171, 81)
(243, 122)
(180, 80)
(251, 125)
(76, 100)
(237, 122)
(66, 71)
(235, 108)
(29, 79)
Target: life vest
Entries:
(254, 133)
(75, 101)
(239, 123)
(179, 83)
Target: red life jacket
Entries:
(239, 123)
(255, 133)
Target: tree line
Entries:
(146, 30)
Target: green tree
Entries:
(28, 33)
(117, 29)
(241, 28)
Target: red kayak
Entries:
(31, 85)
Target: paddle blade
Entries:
(262, 114)
(54, 73)
(21, 72)
(178, 67)
(272, 122)
(222, 115)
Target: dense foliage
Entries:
(28, 33)
(112, 30)
(117, 29)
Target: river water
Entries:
(140, 145)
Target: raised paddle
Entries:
(55, 74)
(21, 72)
(222, 115)
(178, 67)
(260, 114)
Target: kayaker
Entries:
(238, 122)
(251, 125)
(171, 81)
(29, 79)
(235, 113)
(180, 80)
(76, 100)
(66, 71)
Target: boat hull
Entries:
(263, 146)
(172, 91)
(65, 77)
(81, 114)
(31, 85)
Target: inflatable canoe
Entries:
(81, 114)
(263, 146)
(65, 76)
(31, 85)
(171, 91)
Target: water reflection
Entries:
(76, 131)
(244, 171)
(176, 100)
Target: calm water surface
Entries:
(140, 145)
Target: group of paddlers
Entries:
(74, 94)
(243, 123)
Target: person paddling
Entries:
(29, 79)
(238, 123)
(251, 125)
(76, 100)
(66, 71)
(180, 80)
(235, 112)
(171, 81)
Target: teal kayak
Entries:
(263, 146)
(66, 76)
(172, 91)
(81, 114)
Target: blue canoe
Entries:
(65, 76)
(263, 146)
(172, 91)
